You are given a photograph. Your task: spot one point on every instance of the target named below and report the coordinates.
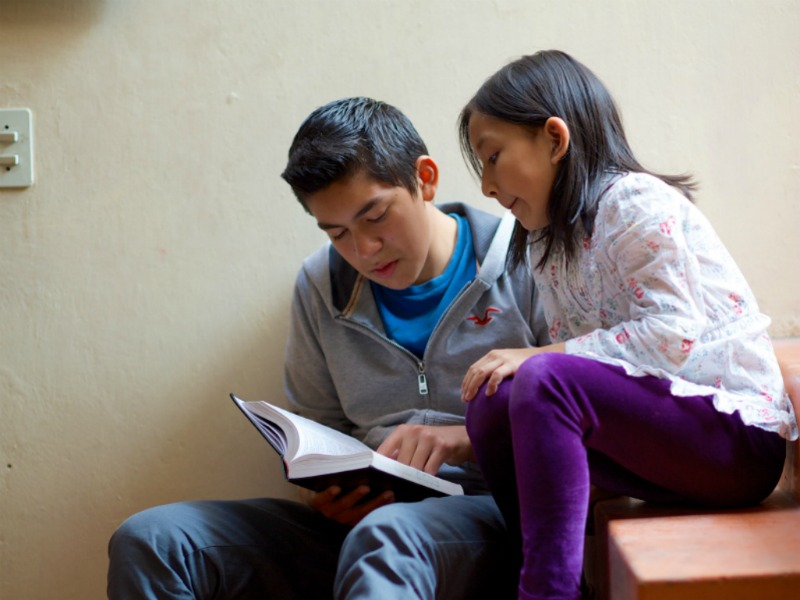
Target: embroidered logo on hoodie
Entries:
(484, 320)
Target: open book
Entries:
(317, 457)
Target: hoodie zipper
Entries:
(422, 381)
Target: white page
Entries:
(317, 438)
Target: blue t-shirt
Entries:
(410, 315)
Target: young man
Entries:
(385, 320)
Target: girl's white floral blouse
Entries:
(655, 291)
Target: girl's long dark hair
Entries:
(547, 84)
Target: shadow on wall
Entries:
(50, 12)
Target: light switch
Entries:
(16, 147)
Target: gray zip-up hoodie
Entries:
(342, 370)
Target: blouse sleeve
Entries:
(644, 231)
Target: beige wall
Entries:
(148, 271)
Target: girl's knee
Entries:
(546, 366)
(486, 415)
(543, 382)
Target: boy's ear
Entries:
(558, 132)
(427, 176)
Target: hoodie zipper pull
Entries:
(422, 381)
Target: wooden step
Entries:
(707, 557)
(628, 531)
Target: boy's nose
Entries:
(366, 245)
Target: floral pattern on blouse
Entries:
(655, 291)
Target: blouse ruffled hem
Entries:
(755, 411)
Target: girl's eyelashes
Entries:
(338, 236)
(491, 159)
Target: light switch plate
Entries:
(20, 174)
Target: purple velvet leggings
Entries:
(564, 422)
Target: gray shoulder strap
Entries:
(495, 262)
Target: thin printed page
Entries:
(313, 438)
(421, 477)
(274, 433)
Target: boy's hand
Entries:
(344, 508)
(427, 447)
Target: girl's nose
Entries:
(488, 187)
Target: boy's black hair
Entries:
(350, 135)
(550, 83)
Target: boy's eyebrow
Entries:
(361, 212)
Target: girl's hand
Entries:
(496, 366)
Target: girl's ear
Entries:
(558, 132)
(427, 177)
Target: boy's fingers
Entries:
(354, 514)
(389, 447)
